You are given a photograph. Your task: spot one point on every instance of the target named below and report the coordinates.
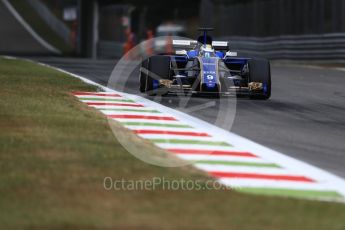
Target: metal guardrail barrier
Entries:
(323, 47)
(109, 49)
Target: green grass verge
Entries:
(55, 153)
(40, 27)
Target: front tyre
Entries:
(158, 69)
(143, 75)
(260, 72)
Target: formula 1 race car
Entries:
(205, 66)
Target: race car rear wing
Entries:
(184, 44)
(191, 44)
(220, 45)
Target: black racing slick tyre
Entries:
(143, 76)
(159, 68)
(260, 71)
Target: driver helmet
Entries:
(206, 50)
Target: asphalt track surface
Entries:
(305, 117)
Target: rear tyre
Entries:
(260, 71)
(159, 68)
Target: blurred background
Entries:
(276, 29)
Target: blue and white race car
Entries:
(205, 66)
